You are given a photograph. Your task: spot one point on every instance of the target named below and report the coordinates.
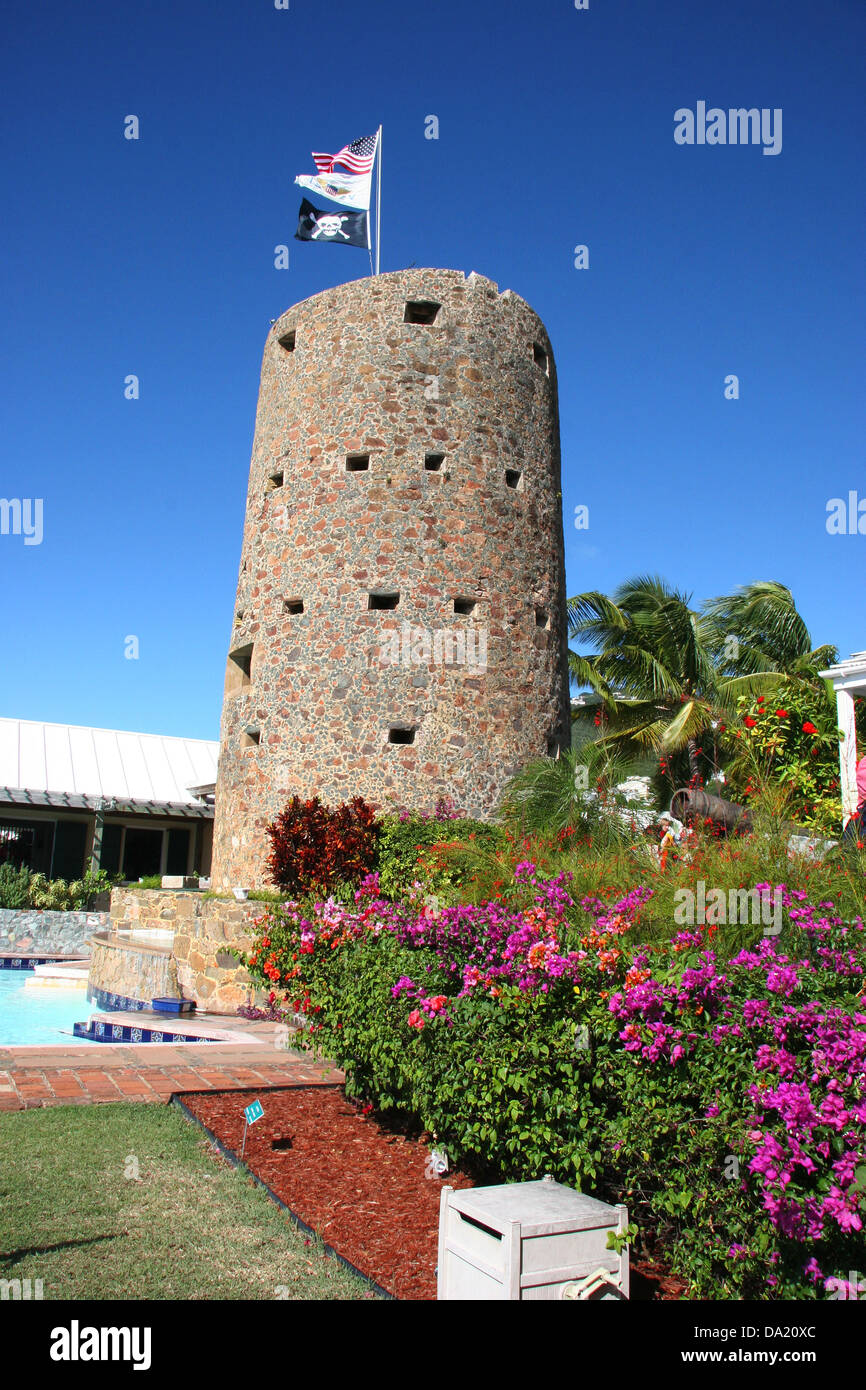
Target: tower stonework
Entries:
(400, 629)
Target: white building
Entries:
(849, 680)
(138, 804)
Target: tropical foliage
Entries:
(316, 847)
(720, 1096)
(19, 888)
(670, 675)
(790, 741)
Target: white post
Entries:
(847, 753)
(379, 202)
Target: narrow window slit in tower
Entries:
(238, 675)
(433, 462)
(552, 747)
(542, 618)
(382, 601)
(400, 734)
(288, 341)
(357, 463)
(275, 480)
(540, 358)
(421, 311)
(512, 477)
(293, 605)
(251, 738)
(466, 606)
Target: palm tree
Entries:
(668, 674)
(654, 667)
(550, 795)
(756, 633)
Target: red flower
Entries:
(782, 713)
(809, 728)
(749, 722)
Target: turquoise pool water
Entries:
(32, 1017)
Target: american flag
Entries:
(357, 157)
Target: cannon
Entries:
(690, 805)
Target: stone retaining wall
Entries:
(204, 928)
(49, 933)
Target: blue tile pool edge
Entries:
(25, 962)
(96, 1031)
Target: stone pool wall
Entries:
(124, 974)
(49, 933)
(203, 928)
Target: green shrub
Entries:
(438, 854)
(14, 886)
(790, 741)
(56, 895)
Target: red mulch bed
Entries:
(362, 1186)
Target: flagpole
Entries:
(379, 204)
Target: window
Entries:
(274, 480)
(433, 462)
(512, 477)
(142, 852)
(421, 311)
(540, 358)
(177, 851)
(287, 342)
(552, 747)
(465, 606)
(30, 843)
(382, 601)
(401, 734)
(251, 738)
(293, 605)
(357, 463)
(542, 618)
(110, 858)
(239, 669)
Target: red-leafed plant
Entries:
(315, 847)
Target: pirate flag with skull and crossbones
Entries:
(341, 228)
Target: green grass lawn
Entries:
(189, 1226)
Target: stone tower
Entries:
(399, 630)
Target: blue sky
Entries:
(156, 257)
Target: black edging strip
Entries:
(235, 1161)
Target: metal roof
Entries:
(68, 765)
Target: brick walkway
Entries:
(99, 1072)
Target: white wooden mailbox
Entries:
(525, 1240)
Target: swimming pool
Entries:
(34, 1017)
